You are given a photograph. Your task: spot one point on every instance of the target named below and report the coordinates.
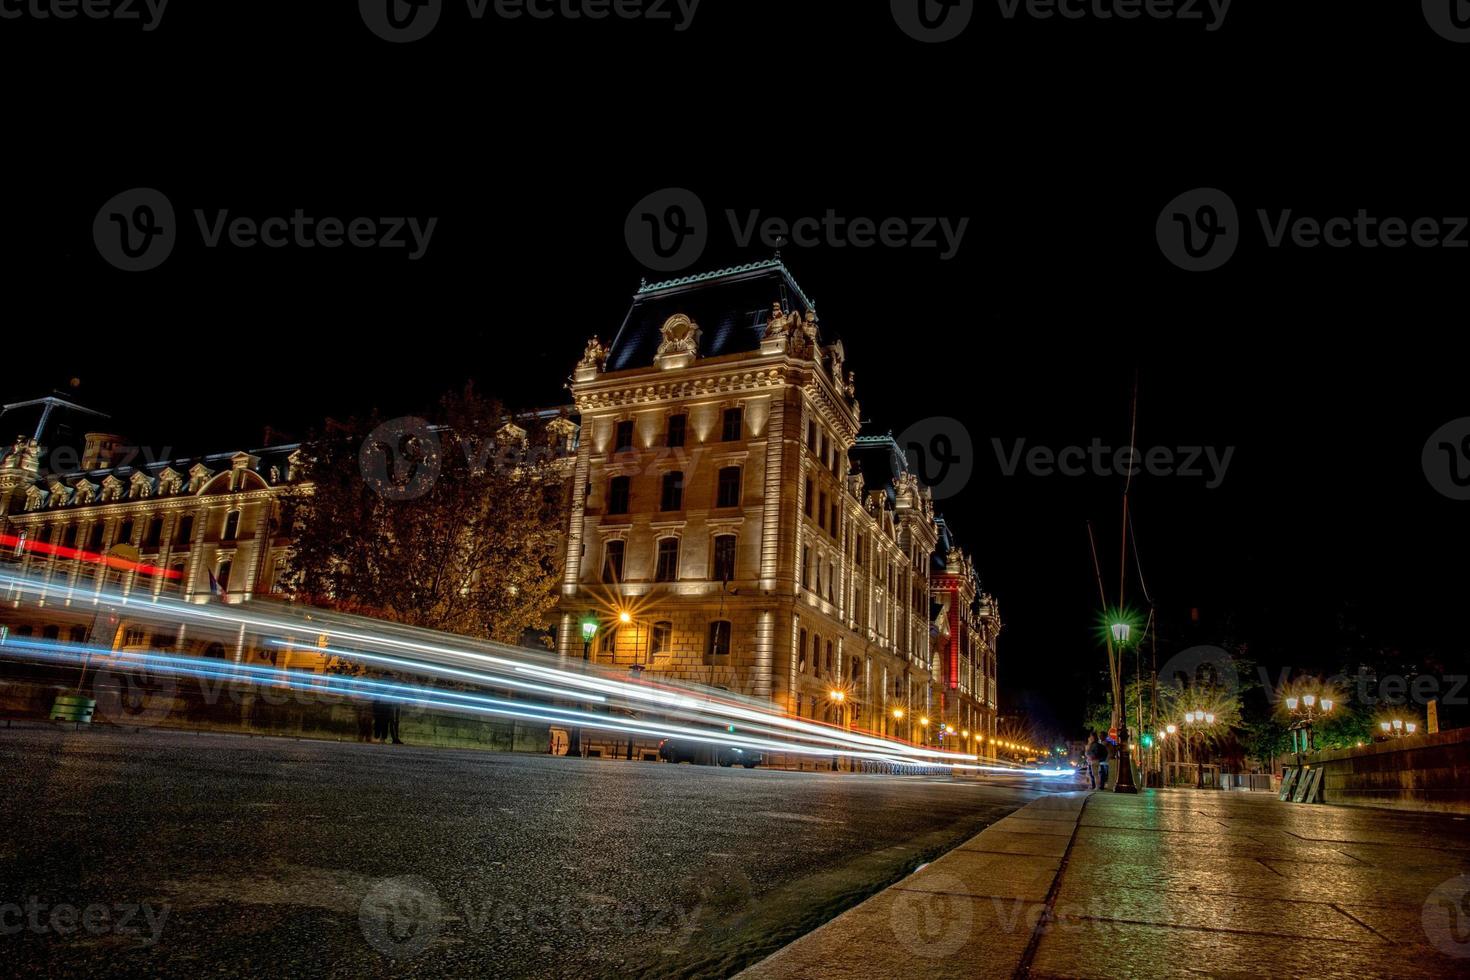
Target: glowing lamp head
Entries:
(898, 712)
(1120, 633)
(1171, 729)
(1384, 725)
(1410, 727)
(1326, 704)
(1398, 724)
(1209, 719)
(1291, 703)
(965, 733)
(949, 729)
(924, 722)
(625, 617)
(836, 695)
(1309, 699)
(589, 628)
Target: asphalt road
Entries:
(281, 857)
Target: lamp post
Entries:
(1199, 721)
(840, 700)
(1120, 632)
(1397, 728)
(589, 631)
(1305, 709)
(1170, 730)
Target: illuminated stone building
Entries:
(724, 528)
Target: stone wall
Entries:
(1420, 772)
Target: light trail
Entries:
(479, 662)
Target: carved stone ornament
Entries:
(595, 355)
(681, 336)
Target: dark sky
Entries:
(1325, 370)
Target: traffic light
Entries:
(1147, 740)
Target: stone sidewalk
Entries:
(1167, 884)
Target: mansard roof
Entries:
(731, 307)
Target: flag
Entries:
(214, 585)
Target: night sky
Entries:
(1325, 370)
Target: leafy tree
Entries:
(454, 527)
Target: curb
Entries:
(977, 911)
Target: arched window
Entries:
(719, 638)
(79, 634)
(612, 564)
(51, 633)
(215, 651)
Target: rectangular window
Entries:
(719, 638)
(725, 557)
(184, 533)
(810, 496)
(668, 560)
(811, 434)
(806, 564)
(734, 422)
(232, 526)
(677, 424)
(624, 438)
(663, 637)
(801, 657)
(617, 495)
(821, 510)
(673, 492)
(835, 522)
(155, 533)
(612, 567)
(729, 487)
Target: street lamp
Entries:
(589, 630)
(1121, 630)
(1305, 710)
(838, 698)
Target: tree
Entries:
(454, 526)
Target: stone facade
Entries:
(723, 530)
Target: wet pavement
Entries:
(1177, 883)
(169, 854)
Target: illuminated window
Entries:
(663, 636)
(801, 654)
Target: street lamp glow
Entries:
(1120, 633)
(1398, 723)
(625, 616)
(1384, 725)
(1171, 729)
(836, 695)
(589, 629)
(1291, 704)
(1410, 727)
(1326, 704)
(966, 733)
(897, 712)
(924, 722)
(1209, 719)
(1309, 699)
(949, 729)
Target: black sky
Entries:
(1325, 370)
